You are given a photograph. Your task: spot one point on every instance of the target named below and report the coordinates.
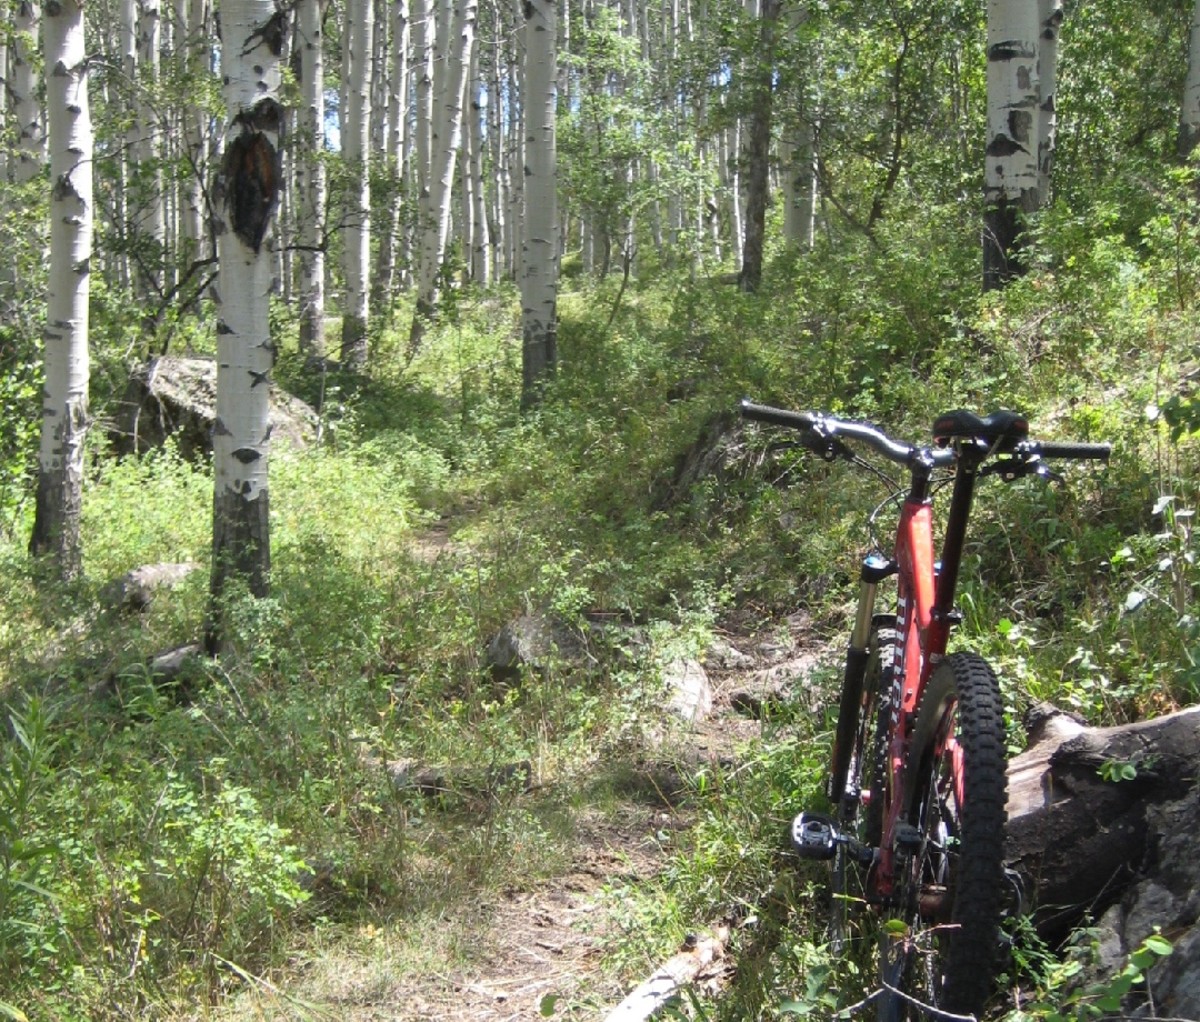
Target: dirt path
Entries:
(523, 952)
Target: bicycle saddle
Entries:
(1001, 427)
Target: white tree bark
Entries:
(65, 392)
(1189, 110)
(246, 195)
(1050, 17)
(356, 66)
(27, 110)
(310, 176)
(151, 218)
(447, 141)
(423, 32)
(392, 247)
(539, 271)
(1011, 159)
(4, 109)
(479, 241)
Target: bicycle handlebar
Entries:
(828, 428)
(1073, 450)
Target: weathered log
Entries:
(1078, 835)
(680, 969)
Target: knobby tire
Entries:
(950, 895)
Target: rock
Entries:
(689, 694)
(531, 642)
(773, 687)
(174, 396)
(136, 589)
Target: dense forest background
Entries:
(203, 842)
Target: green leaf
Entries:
(795, 1008)
(15, 1014)
(547, 1004)
(1159, 944)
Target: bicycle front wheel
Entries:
(950, 891)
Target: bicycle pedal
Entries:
(907, 839)
(814, 836)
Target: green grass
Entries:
(241, 816)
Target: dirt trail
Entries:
(544, 946)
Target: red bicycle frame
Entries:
(924, 616)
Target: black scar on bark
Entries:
(246, 455)
(252, 174)
(1002, 146)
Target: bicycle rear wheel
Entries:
(864, 774)
(950, 888)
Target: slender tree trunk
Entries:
(4, 110)
(65, 391)
(310, 175)
(758, 149)
(148, 151)
(1050, 17)
(539, 276)
(388, 272)
(480, 242)
(356, 234)
(447, 141)
(1011, 160)
(1189, 110)
(497, 149)
(195, 121)
(27, 110)
(246, 196)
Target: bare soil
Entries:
(523, 950)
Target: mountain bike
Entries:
(918, 780)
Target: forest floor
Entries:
(546, 949)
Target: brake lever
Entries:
(1013, 467)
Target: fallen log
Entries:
(676, 972)
(1079, 822)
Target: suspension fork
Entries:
(875, 569)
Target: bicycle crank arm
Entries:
(816, 836)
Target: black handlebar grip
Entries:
(777, 416)
(1076, 451)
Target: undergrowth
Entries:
(165, 846)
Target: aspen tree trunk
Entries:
(4, 109)
(1189, 110)
(758, 151)
(27, 111)
(514, 148)
(246, 196)
(388, 272)
(423, 31)
(496, 141)
(310, 175)
(799, 163)
(378, 81)
(731, 145)
(65, 391)
(480, 242)
(539, 272)
(191, 202)
(1050, 17)
(148, 150)
(356, 64)
(1011, 159)
(126, 198)
(447, 141)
